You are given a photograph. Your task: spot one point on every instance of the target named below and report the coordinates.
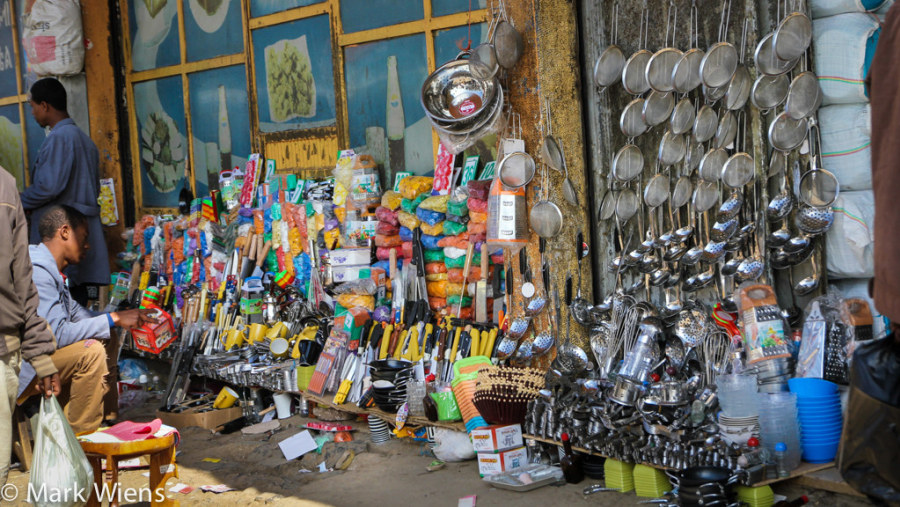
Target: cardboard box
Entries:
(497, 438)
(350, 273)
(351, 257)
(209, 420)
(491, 463)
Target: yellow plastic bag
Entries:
(436, 203)
(408, 220)
(433, 230)
(353, 300)
(391, 200)
(413, 186)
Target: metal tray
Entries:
(542, 474)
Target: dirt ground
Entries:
(391, 473)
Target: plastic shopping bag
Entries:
(61, 470)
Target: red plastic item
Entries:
(154, 338)
(752, 442)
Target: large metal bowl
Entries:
(453, 94)
(474, 122)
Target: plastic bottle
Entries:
(780, 459)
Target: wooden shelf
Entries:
(803, 470)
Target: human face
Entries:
(40, 112)
(75, 242)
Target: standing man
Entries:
(20, 326)
(66, 172)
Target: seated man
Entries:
(80, 358)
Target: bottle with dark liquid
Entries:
(570, 463)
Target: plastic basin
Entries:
(811, 387)
(819, 453)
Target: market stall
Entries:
(712, 364)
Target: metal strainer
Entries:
(721, 59)
(628, 163)
(609, 65)
(686, 74)
(793, 35)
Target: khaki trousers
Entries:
(82, 373)
(9, 386)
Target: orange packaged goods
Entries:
(435, 267)
(408, 220)
(407, 249)
(384, 253)
(353, 300)
(477, 205)
(388, 241)
(455, 275)
(437, 289)
(467, 313)
(433, 230)
(414, 186)
(461, 241)
(437, 304)
(476, 228)
(478, 217)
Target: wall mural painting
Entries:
(213, 28)
(264, 7)
(294, 75)
(358, 15)
(11, 143)
(159, 106)
(385, 117)
(154, 33)
(445, 7)
(224, 143)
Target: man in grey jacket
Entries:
(23, 334)
(80, 357)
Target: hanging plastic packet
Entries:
(507, 225)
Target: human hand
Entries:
(133, 318)
(49, 385)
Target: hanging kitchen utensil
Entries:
(658, 107)
(570, 359)
(793, 35)
(483, 59)
(803, 97)
(738, 89)
(786, 133)
(712, 95)
(631, 121)
(581, 307)
(712, 163)
(740, 168)
(721, 58)
(568, 188)
(550, 152)
(608, 205)
(811, 282)
(626, 205)
(769, 92)
(661, 65)
(693, 153)
(628, 163)
(705, 124)
(682, 192)
(705, 196)
(686, 74)
(609, 65)
(545, 217)
(683, 116)
(507, 40)
(516, 169)
(818, 187)
(634, 74)
(726, 131)
(671, 149)
(657, 190)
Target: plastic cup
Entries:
(282, 404)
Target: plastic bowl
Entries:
(820, 418)
(820, 434)
(818, 400)
(820, 453)
(811, 387)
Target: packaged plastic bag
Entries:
(410, 205)
(458, 241)
(459, 220)
(478, 217)
(387, 228)
(387, 241)
(452, 228)
(477, 205)
(383, 253)
(59, 463)
(391, 200)
(477, 228)
(386, 215)
(53, 37)
(454, 300)
(452, 252)
(407, 250)
(437, 304)
(436, 277)
(479, 189)
(434, 256)
(433, 230)
(405, 234)
(408, 220)
(430, 217)
(431, 242)
(436, 203)
(437, 289)
(435, 267)
(413, 186)
(454, 289)
(354, 300)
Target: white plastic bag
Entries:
(851, 241)
(53, 37)
(846, 144)
(842, 47)
(824, 8)
(452, 445)
(61, 476)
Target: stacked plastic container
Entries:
(778, 422)
(821, 419)
(845, 35)
(739, 418)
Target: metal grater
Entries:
(836, 369)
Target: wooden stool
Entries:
(162, 465)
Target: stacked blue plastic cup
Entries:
(820, 416)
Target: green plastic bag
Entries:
(458, 208)
(410, 205)
(434, 255)
(454, 300)
(460, 262)
(453, 228)
(448, 409)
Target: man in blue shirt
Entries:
(80, 357)
(66, 172)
